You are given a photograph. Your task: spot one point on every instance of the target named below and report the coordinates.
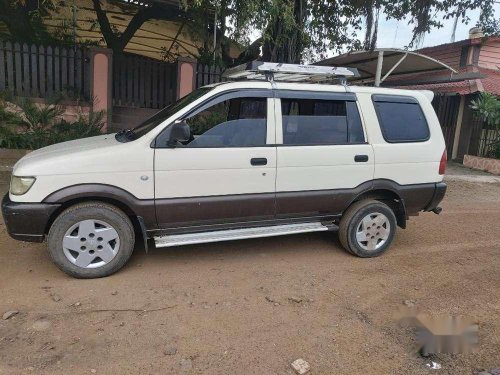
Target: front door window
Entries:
(237, 122)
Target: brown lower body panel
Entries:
(268, 207)
(213, 210)
(317, 203)
(322, 203)
(198, 213)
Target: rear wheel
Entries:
(91, 240)
(367, 228)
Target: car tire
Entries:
(367, 228)
(91, 240)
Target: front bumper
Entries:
(437, 197)
(27, 221)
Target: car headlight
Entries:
(21, 185)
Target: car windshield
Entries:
(127, 135)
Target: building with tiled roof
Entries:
(456, 73)
(477, 62)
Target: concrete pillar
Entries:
(186, 76)
(466, 128)
(458, 129)
(101, 89)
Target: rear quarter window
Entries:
(401, 119)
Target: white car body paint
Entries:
(203, 172)
(100, 159)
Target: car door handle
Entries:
(361, 158)
(258, 161)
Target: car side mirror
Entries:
(180, 132)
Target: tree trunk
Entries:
(118, 42)
(285, 44)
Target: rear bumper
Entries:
(437, 197)
(27, 221)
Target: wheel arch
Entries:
(389, 197)
(136, 209)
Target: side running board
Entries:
(238, 234)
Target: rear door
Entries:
(226, 173)
(323, 157)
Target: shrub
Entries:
(487, 106)
(25, 125)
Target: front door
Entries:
(323, 157)
(226, 173)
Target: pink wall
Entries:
(186, 80)
(489, 56)
(186, 76)
(100, 85)
(483, 164)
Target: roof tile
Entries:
(490, 83)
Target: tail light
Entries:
(442, 163)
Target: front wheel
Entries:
(91, 240)
(367, 228)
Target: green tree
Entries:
(293, 30)
(24, 20)
(290, 30)
(487, 20)
(487, 106)
(316, 26)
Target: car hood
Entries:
(70, 147)
(79, 150)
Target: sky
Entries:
(394, 34)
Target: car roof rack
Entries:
(259, 70)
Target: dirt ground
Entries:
(253, 307)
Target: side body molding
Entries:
(132, 205)
(293, 205)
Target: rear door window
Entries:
(401, 119)
(320, 122)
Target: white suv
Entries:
(235, 160)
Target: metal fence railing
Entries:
(447, 108)
(489, 142)
(484, 139)
(143, 82)
(41, 71)
(206, 75)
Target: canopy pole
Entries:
(378, 73)
(393, 68)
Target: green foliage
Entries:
(289, 30)
(206, 120)
(487, 20)
(300, 30)
(9, 119)
(38, 117)
(496, 154)
(35, 126)
(487, 106)
(25, 21)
